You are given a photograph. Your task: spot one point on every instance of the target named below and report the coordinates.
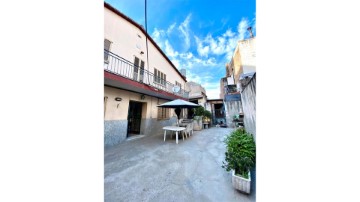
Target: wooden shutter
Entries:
(136, 63)
(107, 44)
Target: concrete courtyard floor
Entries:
(149, 169)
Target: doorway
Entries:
(134, 118)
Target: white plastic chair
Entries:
(189, 129)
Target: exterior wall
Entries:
(197, 92)
(244, 58)
(222, 88)
(232, 108)
(115, 116)
(211, 107)
(248, 97)
(128, 41)
(131, 42)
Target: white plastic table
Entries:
(173, 128)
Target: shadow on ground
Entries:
(149, 169)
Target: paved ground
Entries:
(149, 169)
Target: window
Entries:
(138, 63)
(159, 77)
(163, 113)
(178, 84)
(107, 45)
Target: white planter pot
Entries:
(197, 123)
(240, 183)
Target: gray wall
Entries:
(154, 126)
(115, 131)
(248, 98)
(232, 108)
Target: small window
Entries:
(159, 77)
(163, 113)
(107, 45)
(178, 84)
(138, 63)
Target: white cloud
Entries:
(202, 50)
(184, 29)
(225, 43)
(229, 33)
(188, 55)
(242, 28)
(169, 50)
(176, 62)
(170, 29)
(213, 93)
(212, 51)
(158, 36)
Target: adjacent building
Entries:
(217, 110)
(138, 76)
(239, 70)
(197, 93)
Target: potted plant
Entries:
(199, 112)
(240, 158)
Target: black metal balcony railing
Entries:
(122, 67)
(230, 89)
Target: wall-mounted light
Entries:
(118, 99)
(142, 97)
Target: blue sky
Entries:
(197, 35)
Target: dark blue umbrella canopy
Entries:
(178, 104)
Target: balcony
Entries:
(119, 66)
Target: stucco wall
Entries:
(128, 41)
(244, 57)
(115, 116)
(232, 108)
(248, 97)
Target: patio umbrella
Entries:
(178, 105)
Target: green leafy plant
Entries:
(240, 152)
(199, 111)
(207, 114)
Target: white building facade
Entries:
(135, 80)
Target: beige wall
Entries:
(244, 58)
(118, 110)
(127, 44)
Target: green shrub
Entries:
(240, 152)
(207, 114)
(199, 111)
